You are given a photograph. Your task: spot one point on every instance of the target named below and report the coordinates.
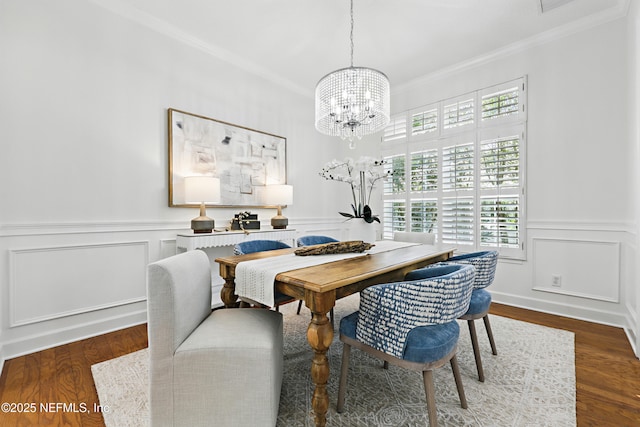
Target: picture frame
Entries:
(242, 158)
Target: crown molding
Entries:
(611, 14)
(162, 27)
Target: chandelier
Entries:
(352, 102)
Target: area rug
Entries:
(531, 382)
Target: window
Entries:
(424, 121)
(500, 104)
(424, 215)
(394, 210)
(459, 171)
(424, 171)
(396, 129)
(459, 113)
(500, 182)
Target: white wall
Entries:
(634, 159)
(581, 218)
(84, 207)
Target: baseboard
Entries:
(630, 329)
(573, 312)
(632, 340)
(560, 309)
(37, 342)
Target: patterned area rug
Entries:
(531, 382)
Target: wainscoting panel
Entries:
(167, 248)
(583, 268)
(53, 282)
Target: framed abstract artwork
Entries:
(241, 158)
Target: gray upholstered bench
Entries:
(221, 368)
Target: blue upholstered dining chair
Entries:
(310, 241)
(315, 240)
(411, 324)
(251, 246)
(485, 263)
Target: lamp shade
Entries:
(277, 195)
(201, 189)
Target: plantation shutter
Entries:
(424, 215)
(458, 113)
(394, 209)
(458, 184)
(424, 182)
(503, 103)
(457, 220)
(395, 213)
(424, 171)
(396, 129)
(459, 169)
(501, 192)
(425, 121)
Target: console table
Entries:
(189, 242)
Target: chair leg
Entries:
(430, 392)
(299, 306)
(331, 318)
(458, 378)
(487, 326)
(476, 349)
(385, 365)
(346, 351)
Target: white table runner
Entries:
(255, 279)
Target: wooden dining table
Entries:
(321, 285)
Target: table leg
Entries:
(228, 292)
(320, 335)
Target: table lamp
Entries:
(278, 195)
(203, 190)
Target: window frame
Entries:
(481, 131)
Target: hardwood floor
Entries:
(62, 375)
(607, 375)
(607, 371)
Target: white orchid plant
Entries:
(362, 176)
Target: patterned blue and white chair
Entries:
(485, 263)
(251, 246)
(310, 241)
(411, 324)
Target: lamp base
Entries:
(279, 222)
(202, 224)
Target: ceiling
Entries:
(296, 42)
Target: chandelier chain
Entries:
(351, 33)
